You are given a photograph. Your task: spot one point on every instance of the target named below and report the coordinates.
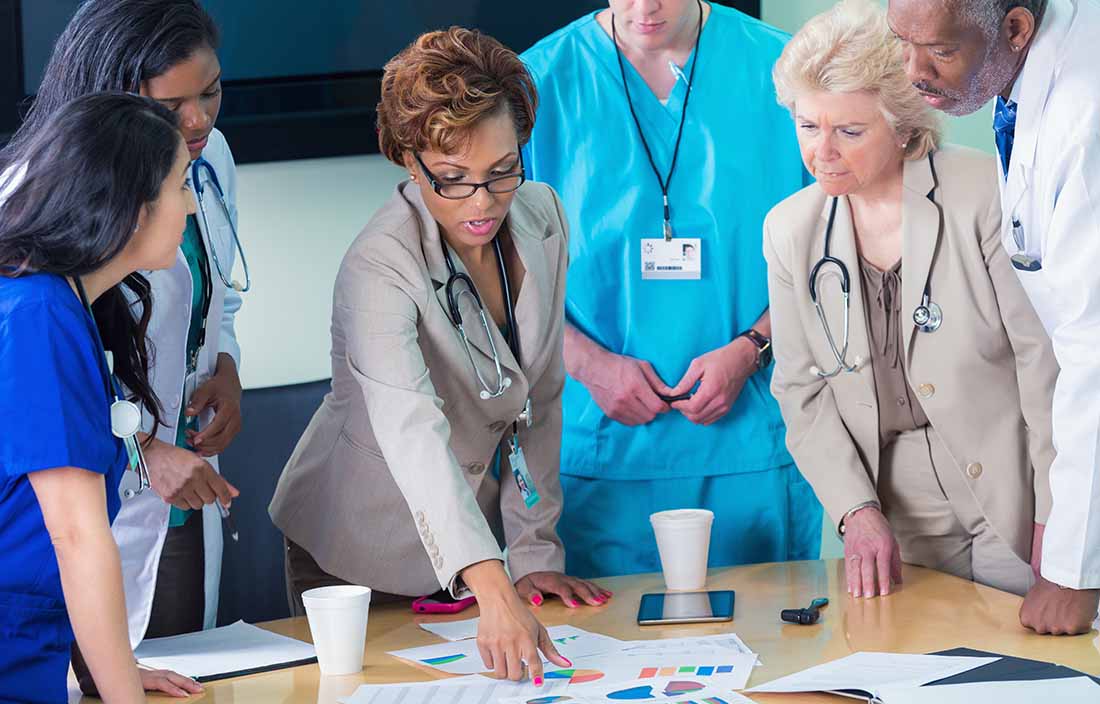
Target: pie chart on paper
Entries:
(676, 688)
(575, 676)
(632, 694)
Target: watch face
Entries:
(765, 356)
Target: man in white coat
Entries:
(1038, 59)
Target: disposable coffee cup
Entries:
(683, 541)
(338, 622)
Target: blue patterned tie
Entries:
(1004, 129)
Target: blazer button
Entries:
(926, 391)
(974, 470)
(475, 468)
(498, 427)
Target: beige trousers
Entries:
(936, 519)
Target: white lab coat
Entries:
(1053, 192)
(142, 523)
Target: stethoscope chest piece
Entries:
(928, 316)
(125, 419)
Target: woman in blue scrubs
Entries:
(666, 191)
(97, 194)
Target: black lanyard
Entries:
(667, 180)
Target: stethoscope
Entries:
(197, 185)
(927, 317)
(454, 279)
(125, 415)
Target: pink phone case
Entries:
(423, 606)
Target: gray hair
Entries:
(989, 14)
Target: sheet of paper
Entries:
(453, 631)
(868, 672)
(464, 658)
(1074, 690)
(220, 652)
(722, 640)
(662, 689)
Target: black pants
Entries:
(180, 596)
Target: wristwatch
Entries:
(763, 347)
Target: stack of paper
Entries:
(230, 651)
(866, 674)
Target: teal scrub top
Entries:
(195, 254)
(738, 158)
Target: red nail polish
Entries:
(573, 603)
(536, 600)
(567, 661)
(538, 681)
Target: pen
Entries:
(228, 521)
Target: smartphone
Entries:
(685, 607)
(442, 603)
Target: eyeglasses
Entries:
(458, 191)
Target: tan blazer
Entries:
(985, 379)
(390, 486)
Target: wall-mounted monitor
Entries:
(301, 79)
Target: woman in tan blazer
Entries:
(447, 366)
(929, 445)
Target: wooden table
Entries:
(931, 611)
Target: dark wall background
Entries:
(299, 83)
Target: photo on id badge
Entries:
(677, 258)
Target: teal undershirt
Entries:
(195, 254)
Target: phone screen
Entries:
(686, 607)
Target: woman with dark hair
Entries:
(165, 50)
(98, 193)
(439, 443)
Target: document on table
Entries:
(453, 631)
(229, 651)
(730, 641)
(1074, 690)
(650, 690)
(464, 658)
(868, 672)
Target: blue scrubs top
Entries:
(56, 414)
(738, 158)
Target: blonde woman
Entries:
(917, 405)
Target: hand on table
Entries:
(168, 682)
(1049, 609)
(625, 388)
(570, 590)
(184, 479)
(509, 637)
(721, 374)
(870, 551)
(222, 392)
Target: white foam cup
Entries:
(683, 541)
(338, 622)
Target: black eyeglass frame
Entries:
(438, 187)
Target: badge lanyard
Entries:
(524, 482)
(666, 181)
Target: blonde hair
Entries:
(850, 49)
(436, 91)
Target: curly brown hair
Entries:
(439, 87)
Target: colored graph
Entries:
(551, 700)
(575, 676)
(444, 660)
(708, 700)
(677, 687)
(567, 639)
(697, 670)
(632, 694)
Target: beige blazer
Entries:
(390, 486)
(985, 379)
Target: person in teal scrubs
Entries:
(98, 194)
(666, 191)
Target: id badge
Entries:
(678, 258)
(523, 478)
